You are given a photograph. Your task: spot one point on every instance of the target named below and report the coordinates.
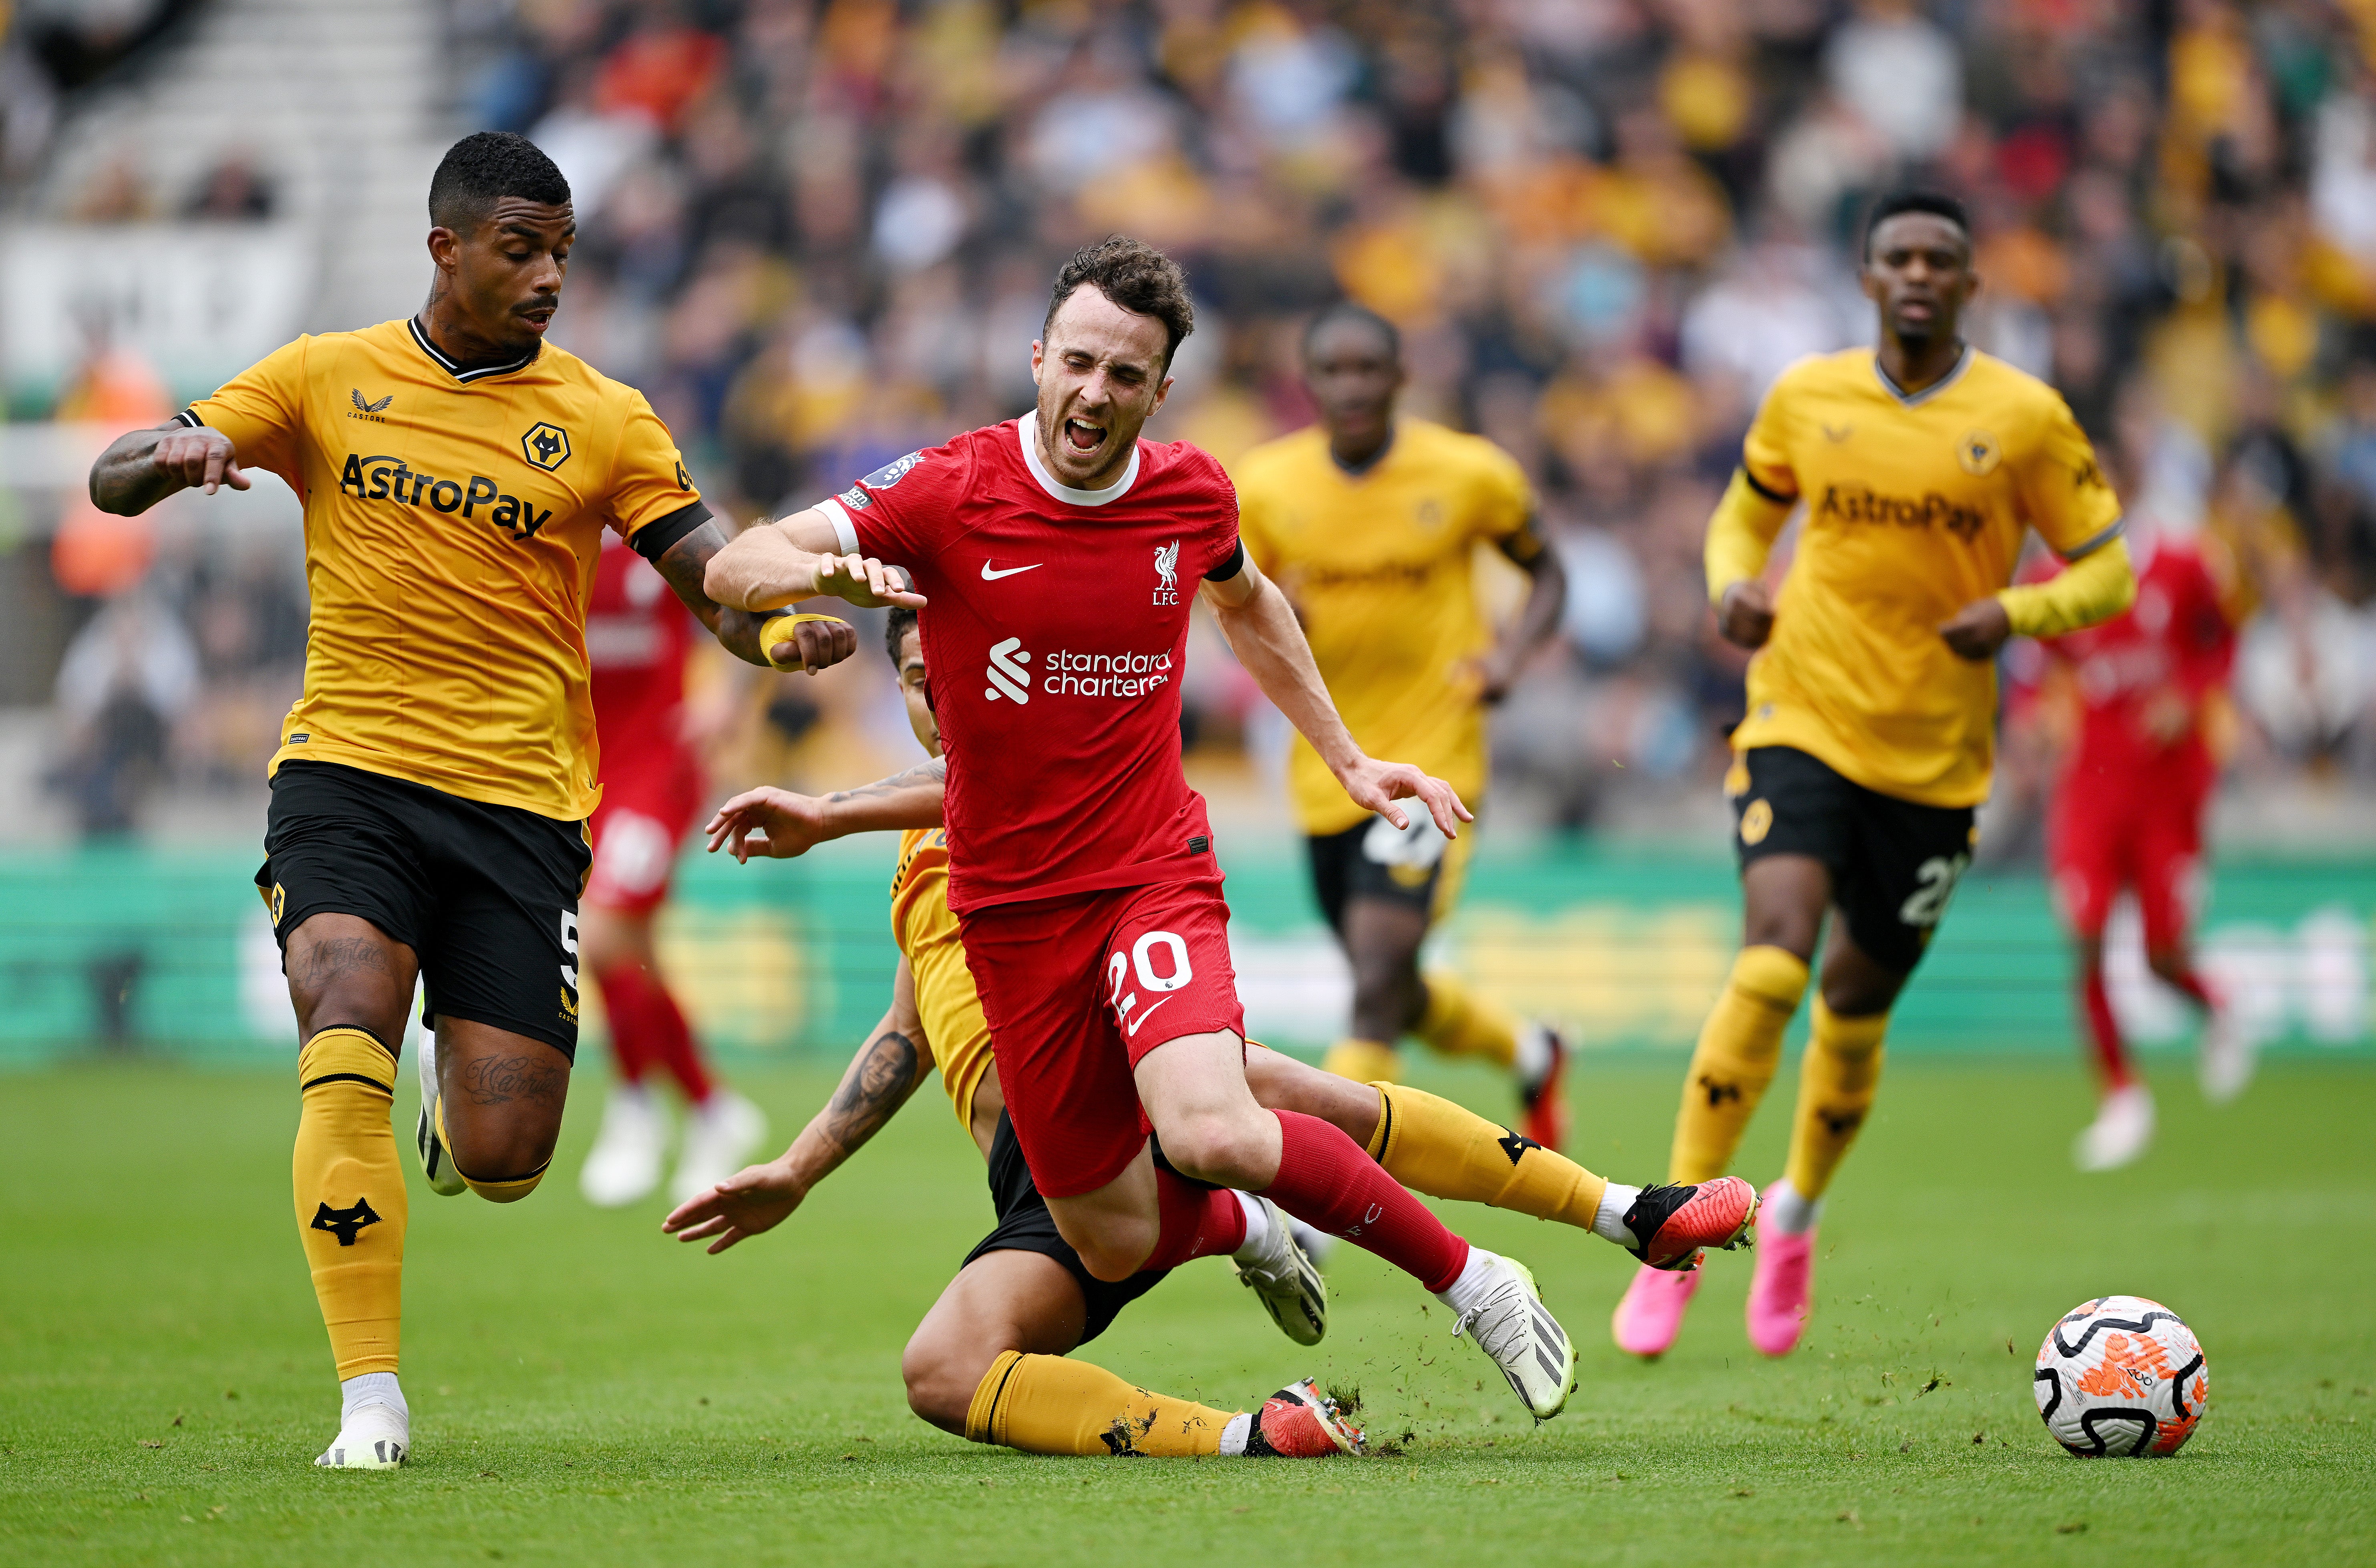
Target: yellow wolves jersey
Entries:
(926, 930)
(453, 520)
(1379, 564)
(1915, 507)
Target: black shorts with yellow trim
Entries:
(1026, 1225)
(485, 896)
(1417, 866)
(1895, 863)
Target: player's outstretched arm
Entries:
(771, 564)
(781, 824)
(808, 645)
(887, 1069)
(141, 467)
(1264, 632)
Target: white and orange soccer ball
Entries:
(2122, 1377)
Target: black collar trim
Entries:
(477, 373)
(1963, 363)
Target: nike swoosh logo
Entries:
(1144, 1016)
(989, 576)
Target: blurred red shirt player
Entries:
(637, 637)
(2126, 813)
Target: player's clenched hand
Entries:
(774, 823)
(199, 456)
(755, 1198)
(1376, 786)
(816, 644)
(866, 582)
(1978, 629)
(1745, 614)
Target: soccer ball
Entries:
(2121, 1377)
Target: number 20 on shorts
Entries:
(1153, 946)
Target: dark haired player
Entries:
(1871, 729)
(433, 783)
(1059, 554)
(1370, 523)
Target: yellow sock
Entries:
(508, 1191)
(1433, 1146)
(1739, 1047)
(1458, 1022)
(1056, 1405)
(1835, 1085)
(1363, 1061)
(350, 1193)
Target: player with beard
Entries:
(1058, 555)
(1870, 731)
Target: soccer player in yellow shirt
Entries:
(1871, 729)
(991, 1361)
(432, 786)
(1370, 524)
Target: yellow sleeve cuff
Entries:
(2094, 589)
(1740, 534)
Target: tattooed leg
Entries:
(343, 970)
(503, 1095)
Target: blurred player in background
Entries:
(1023, 1299)
(1872, 725)
(2127, 813)
(639, 640)
(433, 783)
(1370, 524)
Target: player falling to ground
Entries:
(432, 786)
(638, 636)
(988, 1362)
(1059, 554)
(2127, 813)
(1870, 731)
(1370, 524)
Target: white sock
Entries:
(372, 1388)
(1235, 1435)
(1790, 1214)
(1468, 1290)
(1257, 1224)
(1609, 1221)
(1534, 1058)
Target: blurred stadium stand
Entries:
(819, 233)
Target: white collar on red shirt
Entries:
(1027, 428)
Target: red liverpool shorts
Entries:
(1077, 991)
(2109, 831)
(644, 817)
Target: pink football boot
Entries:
(1779, 1287)
(1651, 1315)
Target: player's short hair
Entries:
(1937, 203)
(895, 627)
(1353, 311)
(483, 168)
(1136, 275)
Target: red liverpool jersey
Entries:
(1055, 636)
(637, 633)
(2173, 645)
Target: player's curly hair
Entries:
(483, 168)
(1936, 203)
(1136, 275)
(896, 624)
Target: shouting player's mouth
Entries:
(1084, 437)
(537, 315)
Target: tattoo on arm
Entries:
(682, 565)
(876, 1086)
(934, 772)
(497, 1080)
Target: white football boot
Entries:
(373, 1438)
(437, 1162)
(1501, 1310)
(1277, 1271)
(2225, 1056)
(1317, 1243)
(625, 1164)
(2122, 1130)
(719, 1138)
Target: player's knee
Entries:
(501, 1164)
(1225, 1146)
(940, 1377)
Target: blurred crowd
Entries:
(819, 233)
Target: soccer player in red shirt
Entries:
(1057, 555)
(2127, 812)
(637, 638)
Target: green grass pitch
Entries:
(584, 1392)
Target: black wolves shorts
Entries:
(1893, 863)
(1026, 1225)
(1417, 866)
(486, 897)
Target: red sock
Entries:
(1198, 1222)
(1328, 1181)
(2112, 1051)
(2189, 983)
(647, 1026)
